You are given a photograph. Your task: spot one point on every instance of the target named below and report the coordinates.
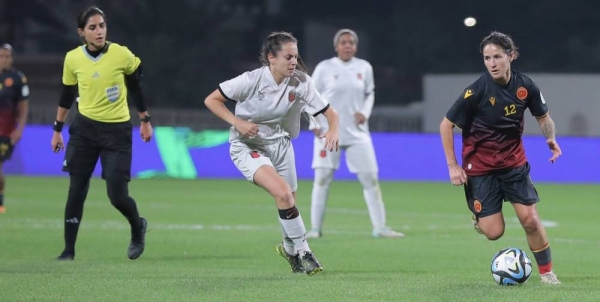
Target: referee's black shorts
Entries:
(91, 139)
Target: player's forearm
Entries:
(368, 107)
(23, 112)
(447, 136)
(333, 118)
(548, 127)
(218, 108)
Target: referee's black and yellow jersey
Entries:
(101, 81)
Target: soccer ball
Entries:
(511, 266)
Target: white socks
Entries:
(320, 194)
(295, 230)
(372, 195)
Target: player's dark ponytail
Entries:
(301, 66)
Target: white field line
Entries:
(57, 224)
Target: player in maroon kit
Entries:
(494, 166)
(13, 110)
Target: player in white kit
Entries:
(347, 83)
(269, 102)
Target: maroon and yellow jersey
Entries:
(13, 89)
(491, 117)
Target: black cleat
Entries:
(138, 241)
(66, 256)
(293, 260)
(310, 264)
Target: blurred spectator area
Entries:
(189, 46)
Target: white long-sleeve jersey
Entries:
(349, 88)
(276, 109)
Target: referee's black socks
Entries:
(118, 193)
(78, 190)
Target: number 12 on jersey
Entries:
(510, 109)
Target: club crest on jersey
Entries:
(8, 82)
(522, 93)
(493, 100)
(254, 154)
(292, 96)
(261, 95)
(359, 76)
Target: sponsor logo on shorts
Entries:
(254, 154)
(477, 206)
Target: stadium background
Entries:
(213, 234)
(422, 57)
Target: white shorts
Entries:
(360, 157)
(279, 154)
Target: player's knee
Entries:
(493, 229)
(79, 185)
(494, 234)
(283, 196)
(369, 180)
(531, 224)
(117, 191)
(323, 177)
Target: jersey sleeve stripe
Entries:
(322, 110)
(225, 96)
(542, 116)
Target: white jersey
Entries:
(349, 88)
(276, 109)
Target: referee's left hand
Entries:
(146, 131)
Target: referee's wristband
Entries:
(58, 126)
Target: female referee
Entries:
(103, 73)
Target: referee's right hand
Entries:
(57, 142)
